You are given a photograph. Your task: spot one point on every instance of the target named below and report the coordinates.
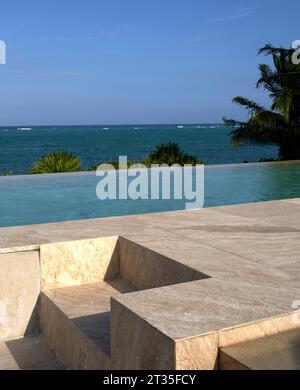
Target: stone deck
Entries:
(181, 286)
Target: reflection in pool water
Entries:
(53, 198)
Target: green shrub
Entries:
(57, 162)
(170, 154)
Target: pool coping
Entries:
(27, 229)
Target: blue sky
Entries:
(135, 61)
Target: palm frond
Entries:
(269, 49)
(263, 127)
(250, 105)
(281, 124)
(231, 122)
(268, 79)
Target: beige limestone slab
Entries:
(182, 218)
(145, 269)
(250, 253)
(88, 309)
(289, 221)
(70, 342)
(208, 223)
(226, 362)
(278, 352)
(295, 200)
(78, 262)
(197, 353)
(258, 329)
(136, 344)
(253, 239)
(261, 209)
(66, 231)
(266, 249)
(29, 353)
(69, 231)
(208, 260)
(208, 305)
(19, 291)
(87, 299)
(26, 248)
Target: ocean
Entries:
(102, 143)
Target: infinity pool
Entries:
(28, 200)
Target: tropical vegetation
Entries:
(279, 125)
(62, 161)
(57, 162)
(170, 153)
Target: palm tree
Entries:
(169, 154)
(279, 125)
(57, 162)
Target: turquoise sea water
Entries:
(51, 198)
(94, 144)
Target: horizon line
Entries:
(118, 124)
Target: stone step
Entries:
(28, 353)
(75, 322)
(278, 352)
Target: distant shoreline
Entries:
(116, 124)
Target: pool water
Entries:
(32, 199)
